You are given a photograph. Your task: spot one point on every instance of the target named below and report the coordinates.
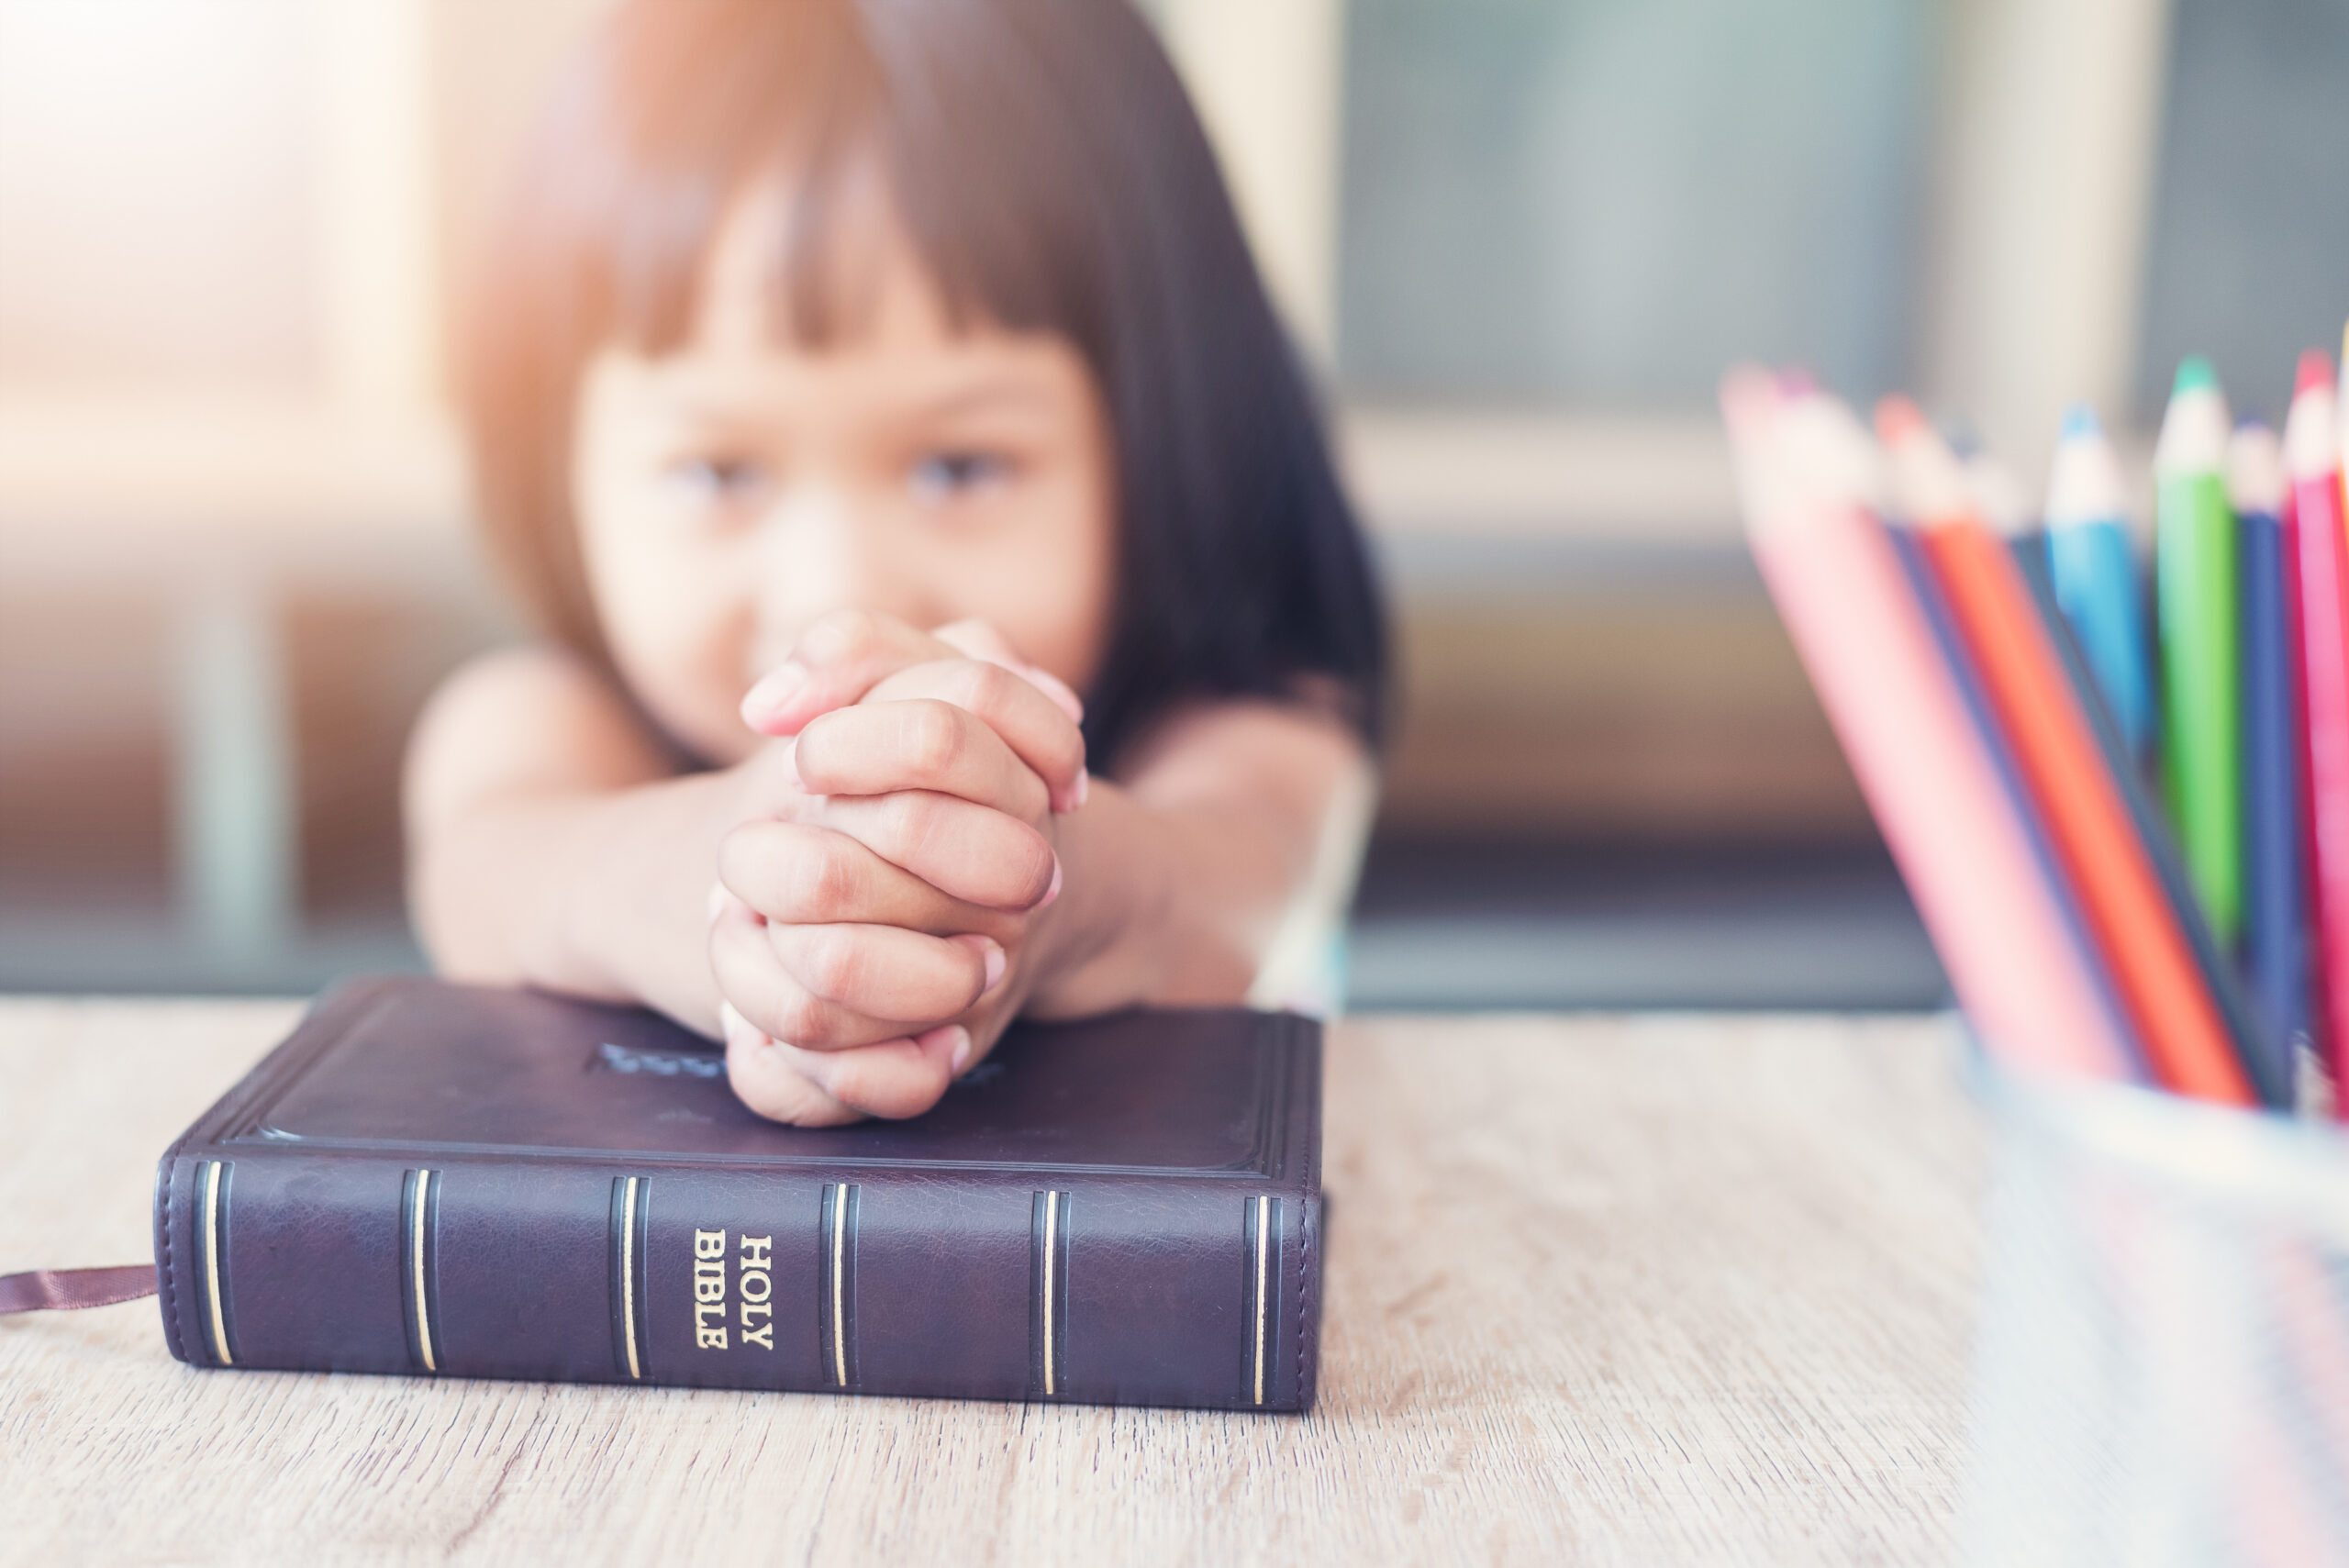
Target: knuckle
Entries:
(818, 883)
(782, 1095)
(985, 689)
(934, 738)
(908, 822)
(1041, 861)
(879, 1085)
(801, 1018)
(832, 963)
(840, 634)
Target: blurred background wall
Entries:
(1519, 237)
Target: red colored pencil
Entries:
(2312, 461)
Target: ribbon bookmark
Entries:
(65, 1290)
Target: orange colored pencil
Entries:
(2144, 950)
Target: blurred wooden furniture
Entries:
(1673, 1289)
(222, 513)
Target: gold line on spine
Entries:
(839, 1239)
(1263, 1281)
(1052, 1245)
(628, 1273)
(217, 1319)
(419, 1203)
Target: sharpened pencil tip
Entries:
(2316, 370)
(2195, 374)
(1896, 418)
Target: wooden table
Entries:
(1657, 1289)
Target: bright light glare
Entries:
(156, 180)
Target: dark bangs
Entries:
(1049, 172)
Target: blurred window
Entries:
(157, 194)
(1604, 201)
(2250, 247)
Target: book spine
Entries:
(1108, 1290)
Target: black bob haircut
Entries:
(1046, 165)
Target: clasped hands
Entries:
(877, 916)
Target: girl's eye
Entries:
(726, 482)
(942, 476)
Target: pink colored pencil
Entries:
(2021, 969)
(2312, 461)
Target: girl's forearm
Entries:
(1163, 906)
(594, 894)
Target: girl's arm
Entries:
(1235, 821)
(550, 845)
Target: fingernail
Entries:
(1054, 891)
(995, 963)
(961, 1048)
(772, 692)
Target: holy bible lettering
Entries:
(754, 1290)
(755, 1286)
(709, 1289)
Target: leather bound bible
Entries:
(449, 1180)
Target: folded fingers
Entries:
(807, 873)
(920, 743)
(892, 1078)
(838, 659)
(839, 986)
(1036, 728)
(968, 852)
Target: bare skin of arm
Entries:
(551, 845)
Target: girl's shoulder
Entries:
(1309, 726)
(531, 713)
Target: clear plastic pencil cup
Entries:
(2162, 1370)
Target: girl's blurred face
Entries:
(732, 492)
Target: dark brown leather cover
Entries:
(458, 1181)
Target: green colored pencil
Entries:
(2201, 677)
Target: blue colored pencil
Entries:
(2276, 954)
(2096, 580)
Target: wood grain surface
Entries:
(1661, 1289)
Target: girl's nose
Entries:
(812, 559)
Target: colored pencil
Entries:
(2275, 892)
(2153, 830)
(2170, 1012)
(2095, 568)
(2312, 462)
(1995, 497)
(1943, 622)
(2024, 977)
(2195, 582)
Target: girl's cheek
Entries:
(678, 617)
(1079, 558)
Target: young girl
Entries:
(855, 384)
